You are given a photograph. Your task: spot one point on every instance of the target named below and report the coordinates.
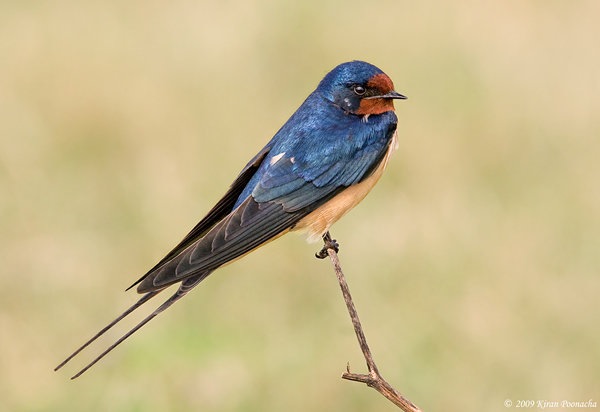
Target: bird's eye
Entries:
(359, 90)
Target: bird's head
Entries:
(360, 88)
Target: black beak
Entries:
(391, 95)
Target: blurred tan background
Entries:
(474, 264)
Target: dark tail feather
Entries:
(136, 305)
(184, 288)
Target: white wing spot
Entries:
(276, 158)
(293, 159)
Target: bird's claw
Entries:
(329, 243)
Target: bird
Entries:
(320, 164)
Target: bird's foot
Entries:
(329, 243)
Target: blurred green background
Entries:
(474, 264)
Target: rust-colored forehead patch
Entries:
(381, 82)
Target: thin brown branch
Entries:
(373, 378)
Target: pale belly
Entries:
(319, 221)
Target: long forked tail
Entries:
(136, 305)
(183, 289)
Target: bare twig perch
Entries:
(373, 378)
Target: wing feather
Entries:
(217, 213)
(248, 227)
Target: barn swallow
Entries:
(318, 166)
